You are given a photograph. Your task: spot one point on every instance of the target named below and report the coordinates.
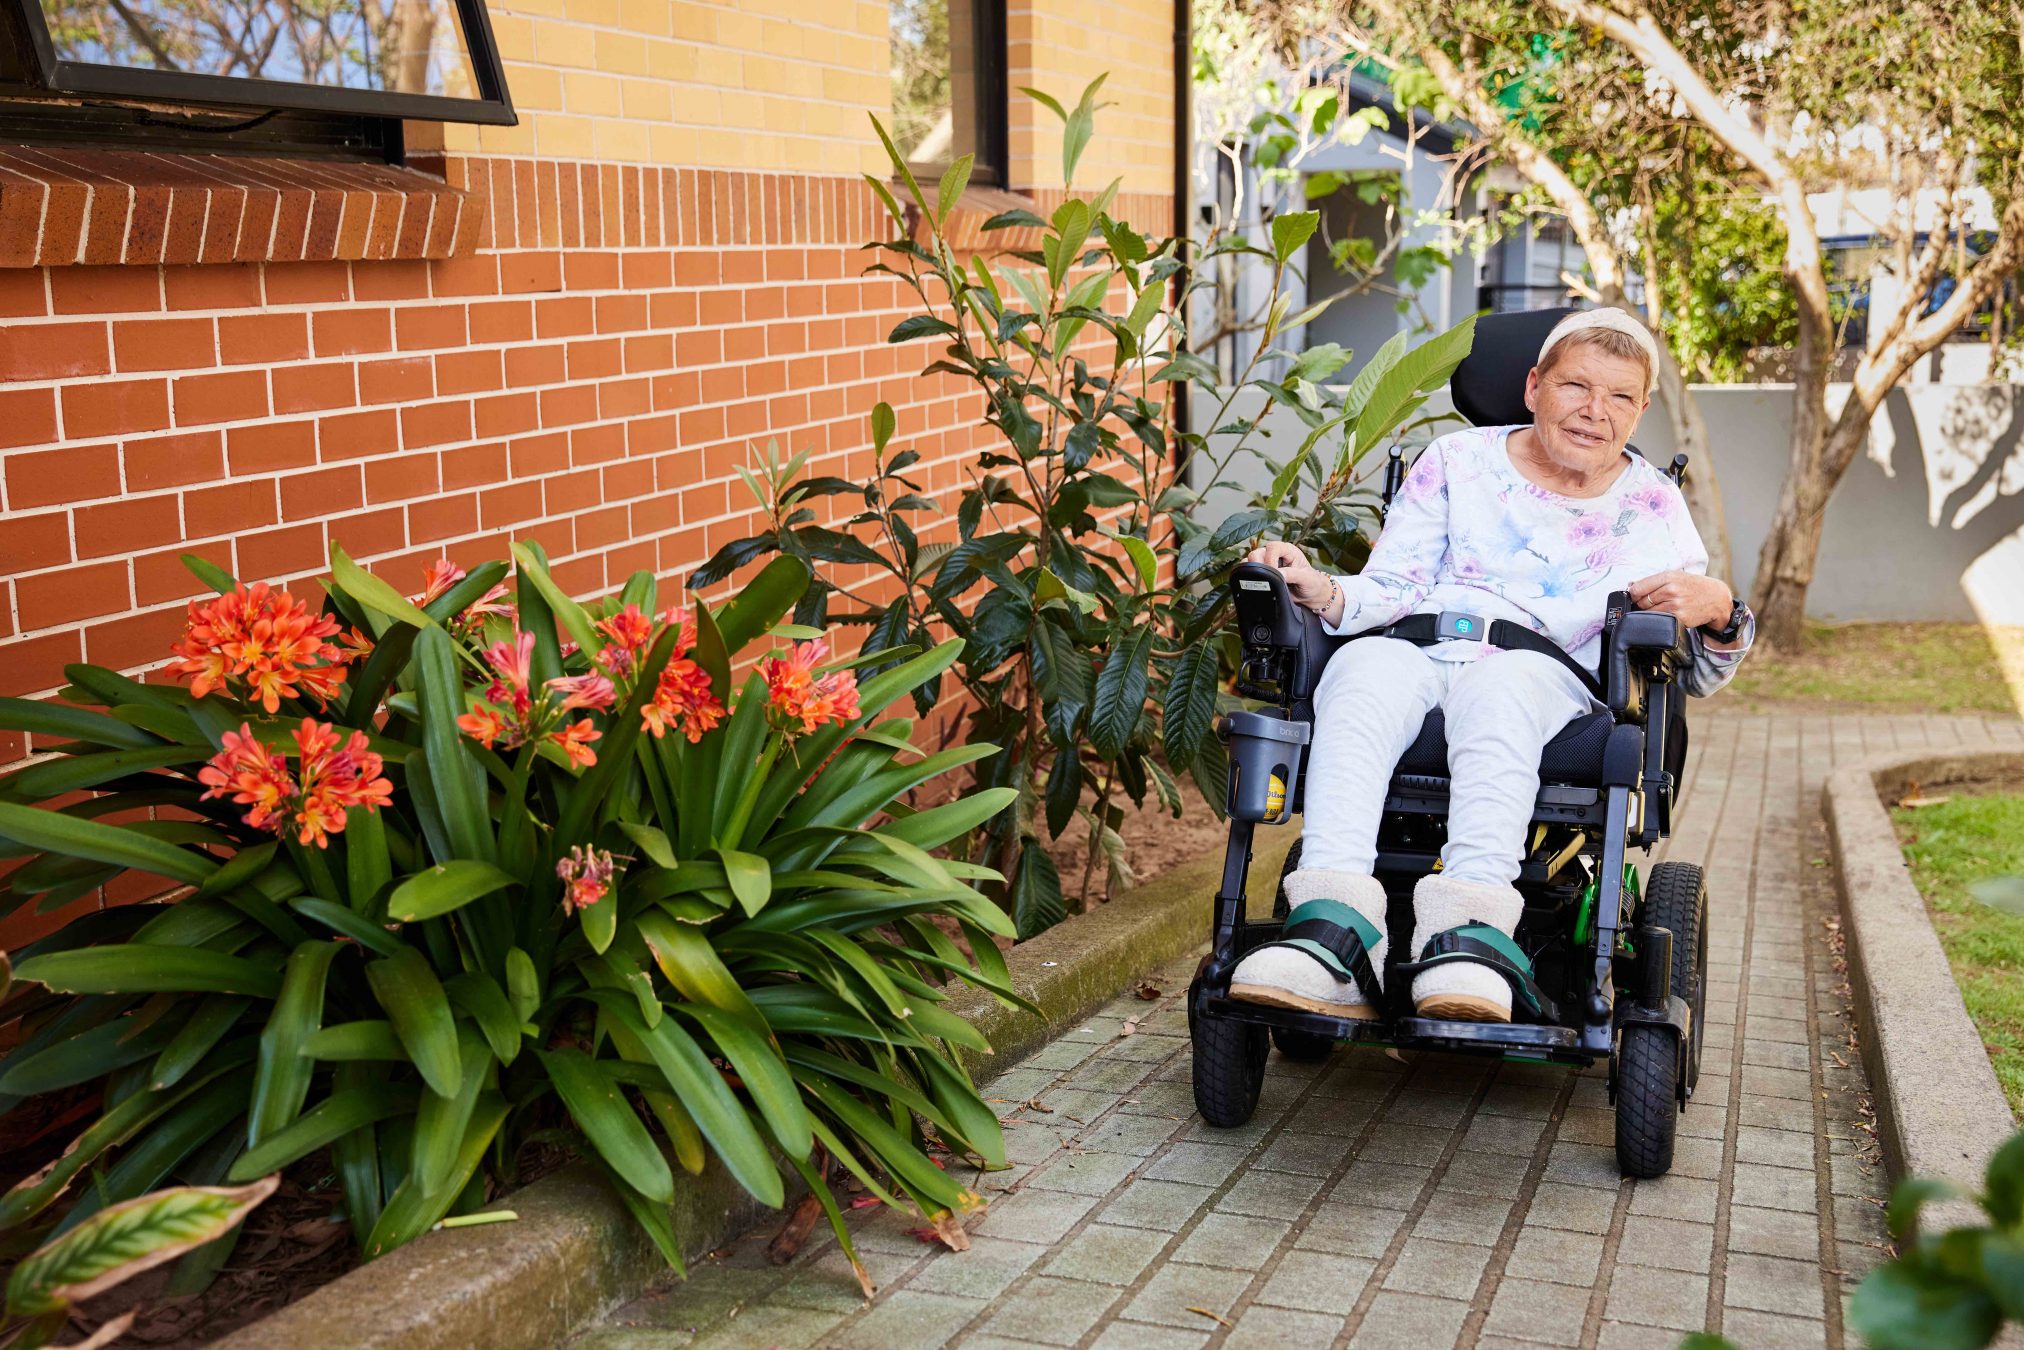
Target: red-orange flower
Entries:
(437, 580)
(574, 741)
(586, 875)
(798, 699)
(262, 643)
(591, 691)
(629, 633)
(683, 695)
(333, 776)
(483, 724)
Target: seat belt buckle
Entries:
(1456, 626)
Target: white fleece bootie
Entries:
(1461, 991)
(1293, 977)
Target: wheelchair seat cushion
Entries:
(1573, 757)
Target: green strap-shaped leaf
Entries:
(215, 1016)
(751, 878)
(79, 724)
(702, 1090)
(939, 824)
(373, 592)
(143, 968)
(600, 1109)
(328, 1121)
(411, 1210)
(440, 1121)
(281, 1081)
(576, 620)
(122, 1241)
(415, 1003)
(454, 772)
(445, 887)
(758, 1064)
(372, 1039)
(480, 995)
(50, 832)
(54, 777)
(691, 962)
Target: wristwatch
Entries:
(1737, 613)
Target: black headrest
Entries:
(1489, 385)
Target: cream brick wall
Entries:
(774, 85)
(785, 85)
(1059, 46)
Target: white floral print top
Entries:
(1468, 532)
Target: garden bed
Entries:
(1973, 833)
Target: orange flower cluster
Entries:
(511, 716)
(333, 775)
(586, 876)
(442, 574)
(265, 645)
(682, 697)
(798, 700)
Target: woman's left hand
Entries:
(1692, 599)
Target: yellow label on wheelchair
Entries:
(1275, 799)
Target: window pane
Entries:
(389, 46)
(934, 78)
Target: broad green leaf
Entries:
(758, 1065)
(51, 832)
(1191, 702)
(208, 572)
(215, 1016)
(1290, 231)
(126, 1239)
(1381, 360)
(480, 995)
(79, 724)
(751, 878)
(1037, 903)
(445, 887)
(281, 1080)
(954, 179)
(599, 1107)
(692, 965)
(419, 1009)
(454, 772)
(1425, 367)
(1902, 1306)
(523, 986)
(575, 620)
(346, 1042)
(701, 1089)
(761, 602)
(373, 592)
(329, 1120)
(939, 824)
(143, 968)
(440, 1122)
(1120, 690)
(411, 1210)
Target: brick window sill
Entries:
(63, 206)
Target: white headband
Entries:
(1616, 321)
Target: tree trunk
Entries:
(1792, 546)
(1690, 438)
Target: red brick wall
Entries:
(591, 376)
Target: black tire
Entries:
(1647, 1105)
(1229, 1069)
(1677, 899)
(1303, 1047)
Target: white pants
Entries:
(1501, 710)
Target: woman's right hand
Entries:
(1310, 588)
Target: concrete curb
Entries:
(575, 1253)
(1940, 1111)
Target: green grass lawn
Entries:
(1950, 845)
(1921, 667)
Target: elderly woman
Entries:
(1535, 525)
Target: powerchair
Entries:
(1603, 968)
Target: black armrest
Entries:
(1639, 647)
(1284, 644)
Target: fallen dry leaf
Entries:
(786, 1244)
(864, 1202)
(951, 1231)
(1148, 991)
(1214, 1315)
(1130, 1026)
(1034, 1104)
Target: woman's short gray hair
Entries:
(1609, 330)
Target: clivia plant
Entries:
(448, 872)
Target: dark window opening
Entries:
(948, 85)
(349, 63)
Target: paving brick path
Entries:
(1418, 1202)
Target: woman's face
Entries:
(1586, 407)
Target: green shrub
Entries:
(485, 863)
(1094, 654)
